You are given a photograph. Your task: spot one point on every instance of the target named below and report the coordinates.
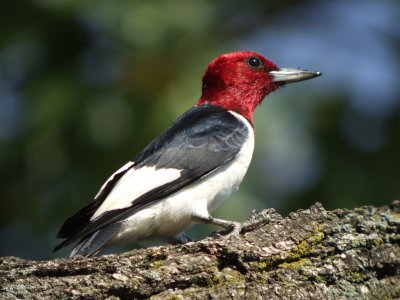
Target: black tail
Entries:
(93, 243)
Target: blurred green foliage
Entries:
(84, 85)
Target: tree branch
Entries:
(312, 253)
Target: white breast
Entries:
(172, 215)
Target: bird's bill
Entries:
(288, 75)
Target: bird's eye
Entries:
(255, 62)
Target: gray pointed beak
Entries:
(288, 75)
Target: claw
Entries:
(233, 230)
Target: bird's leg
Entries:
(233, 228)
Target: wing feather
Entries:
(200, 141)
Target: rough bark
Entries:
(312, 253)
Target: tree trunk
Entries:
(312, 253)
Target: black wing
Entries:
(200, 141)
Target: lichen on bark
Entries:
(312, 253)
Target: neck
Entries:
(243, 102)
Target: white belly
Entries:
(172, 215)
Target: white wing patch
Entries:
(122, 169)
(133, 184)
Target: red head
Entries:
(239, 81)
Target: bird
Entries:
(187, 171)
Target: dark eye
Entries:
(255, 62)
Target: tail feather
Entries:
(92, 243)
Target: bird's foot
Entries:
(256, 220)
(181, 238)
(233, 229)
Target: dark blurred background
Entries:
(84, 85)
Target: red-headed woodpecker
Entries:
(190, 168)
